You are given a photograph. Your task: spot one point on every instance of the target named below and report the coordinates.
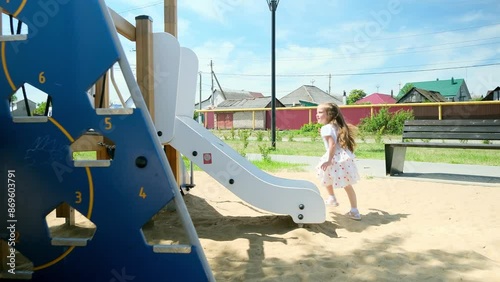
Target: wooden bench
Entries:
(441, 134)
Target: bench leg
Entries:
(394, 159)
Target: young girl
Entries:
(336, 168)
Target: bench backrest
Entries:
(452, 129)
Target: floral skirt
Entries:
(343, 172)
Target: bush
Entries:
(264, 151)
(260, 135)
(314, 136)
(385, 122)
(395, 125)
(310, 127)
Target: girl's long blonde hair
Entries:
(345, 136)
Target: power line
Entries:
(141, 7)
(364, 73)
(387, 52)
(422, 70)
(398, 51)
(427, 33)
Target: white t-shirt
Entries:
(329, 130)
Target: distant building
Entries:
(492, 95)
(20, 108)
(453, 90)
(219, 96)
(244, 119)
(417, 95)
(309, 95)
(376, 99)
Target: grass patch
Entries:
(368, 148)
(273, 166)
(85, 156)
(187, 164)
(269, 166)
(454, 156)
(298, 148)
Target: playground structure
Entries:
(131, 178)
(299, 199)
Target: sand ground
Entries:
(410, 231)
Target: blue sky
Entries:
(344, 39)
(376, 46)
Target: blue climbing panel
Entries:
(70, 44)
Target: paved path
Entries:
(436, 172)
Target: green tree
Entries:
(355, 95)
(40, 109)
(405, 89)
(12, 100)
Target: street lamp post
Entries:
(273, 5)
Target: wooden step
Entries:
(26, 119)
(93, 163)
(172, 249)
(15, 37)
(111, 112)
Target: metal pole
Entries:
(273, 5)
(200, 120)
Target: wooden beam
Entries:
(66, 211)
(90, 143)
(145, 65)
(102, 92)
(170, 12)
(123, 26)
(173, 156)
(4, 252)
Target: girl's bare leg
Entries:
(329, 188)
(352, 196)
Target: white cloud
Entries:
(471, 17)
(215, 10)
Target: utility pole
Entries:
(273, 5)
(200, 120)
(330, 84)
(212, 76)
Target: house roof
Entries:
(229, 94)
(432, 96)
(260, 102)
(309, 93)
(377, 98)
(448, 88)
(489, 95)
(22, 101)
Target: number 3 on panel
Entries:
(78, 197)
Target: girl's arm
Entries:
(331, 152)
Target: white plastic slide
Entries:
(298, 198)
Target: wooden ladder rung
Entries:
(110, 112)
(15, 37)
(20, 275)
(172, 249)
(77, 242)
(26, 119)
(93, 163)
